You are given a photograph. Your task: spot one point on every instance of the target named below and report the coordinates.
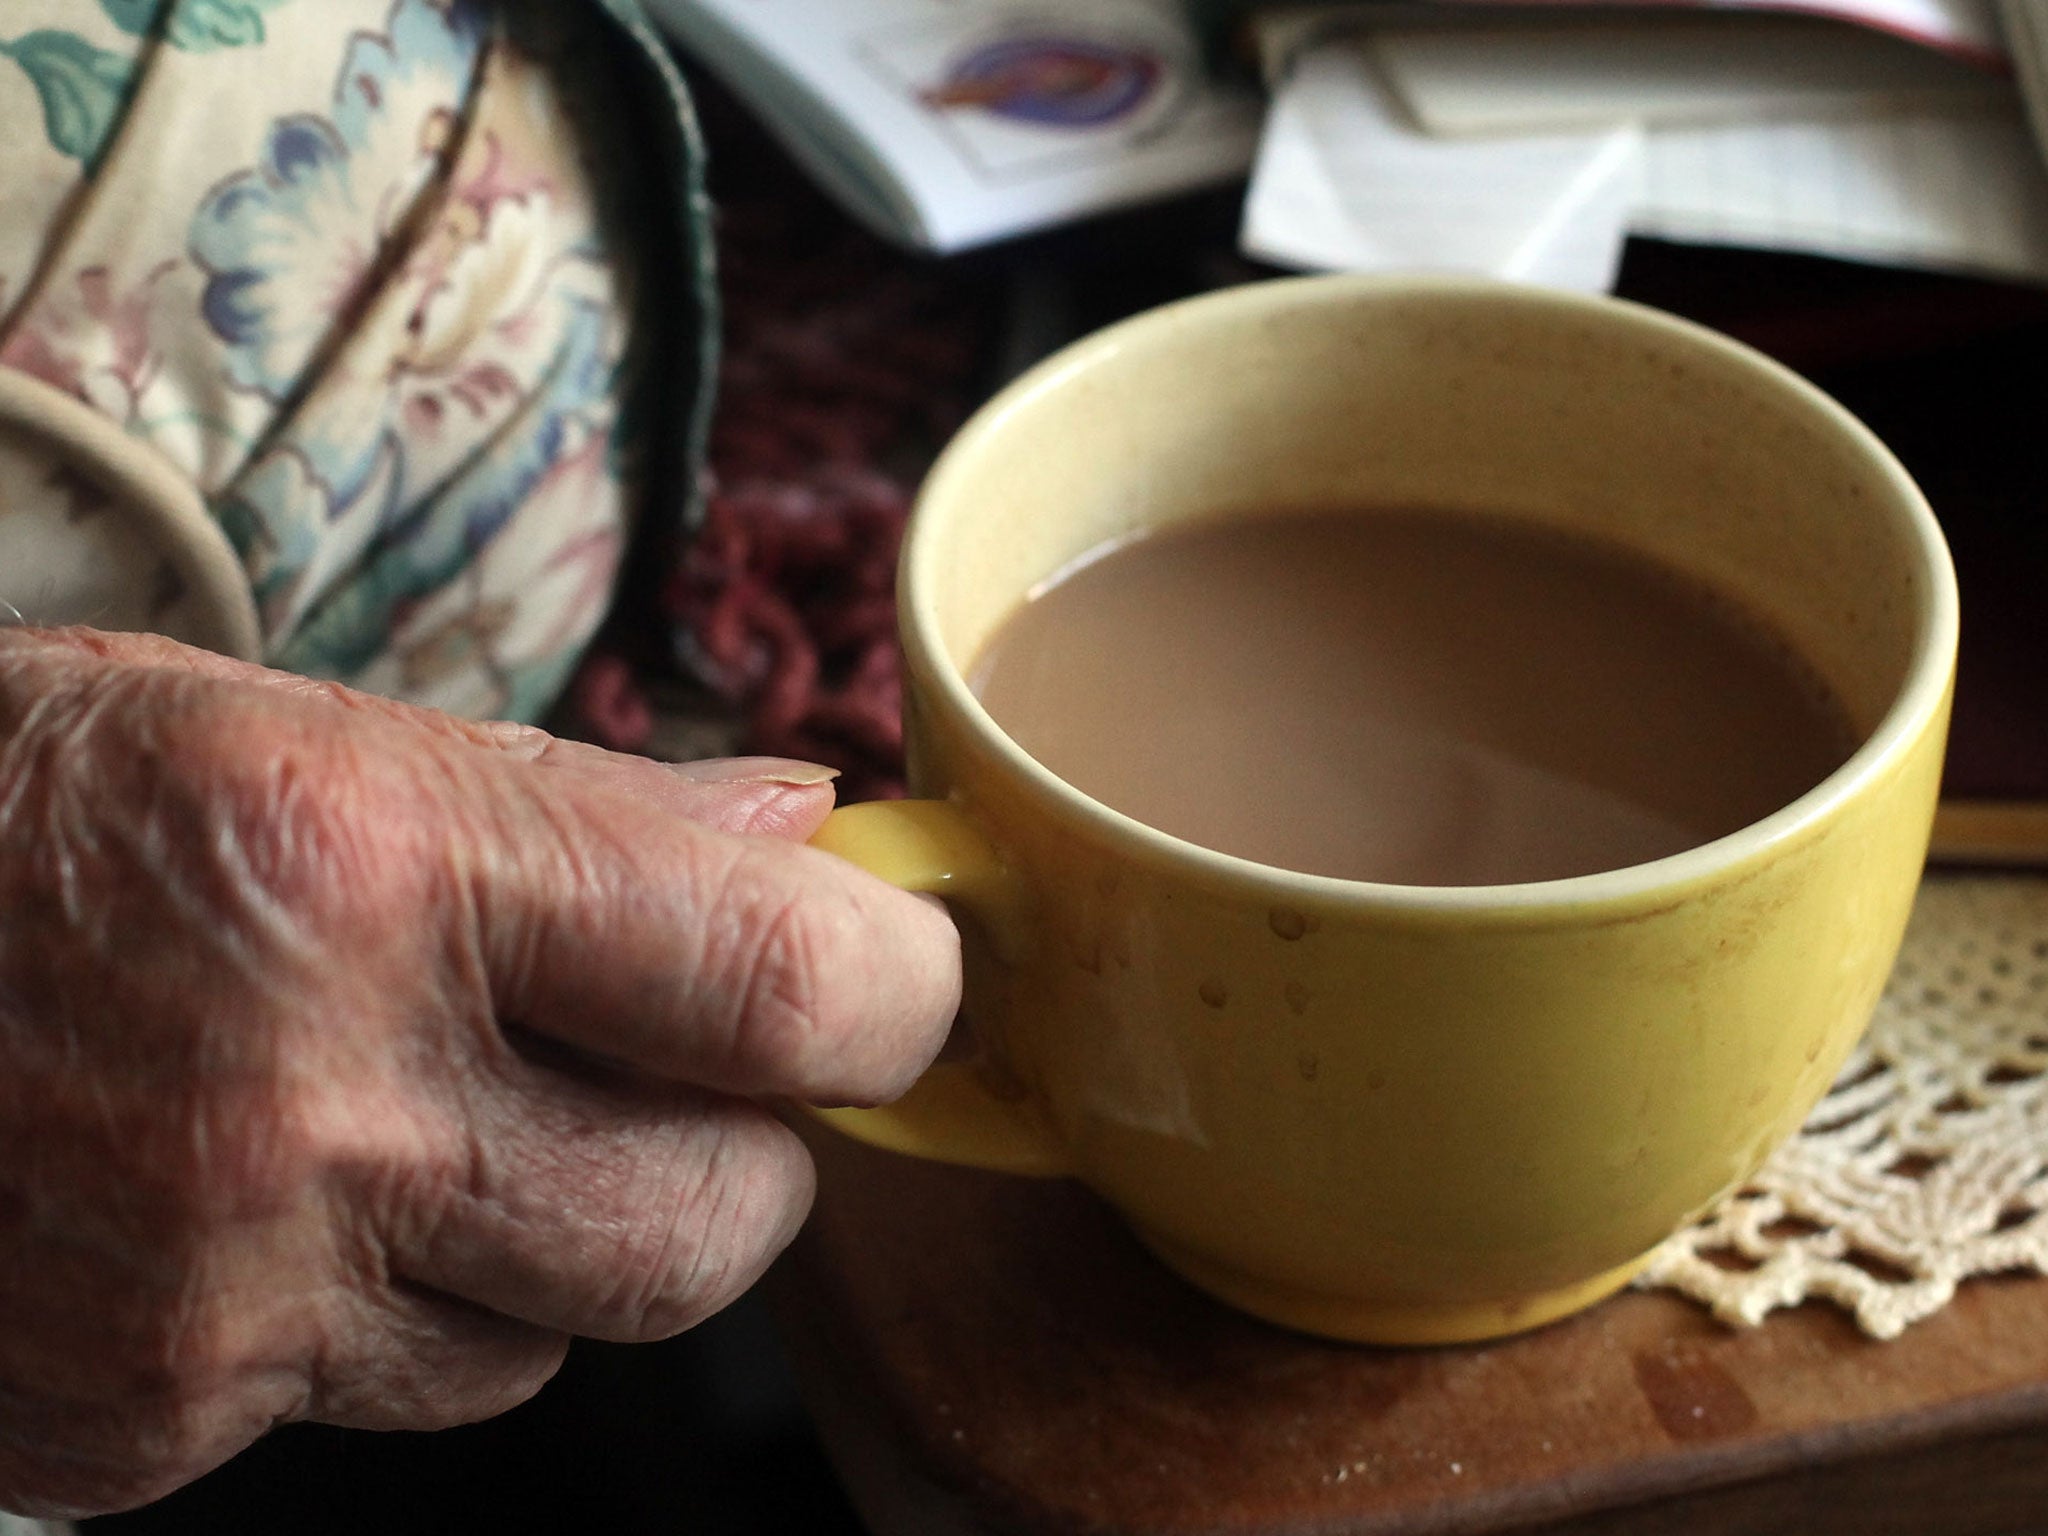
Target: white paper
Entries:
(1551, 74)
(1964, 26)
(1962, 191)
(1343, 181)
(2026, 33)
(947, 124)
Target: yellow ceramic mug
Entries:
(1395, 1113)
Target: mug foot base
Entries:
(1387, 1322)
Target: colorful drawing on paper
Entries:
(1051, 81)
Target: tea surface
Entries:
(1414, 697)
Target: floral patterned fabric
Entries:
(384, 280)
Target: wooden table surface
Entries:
(996, 1354)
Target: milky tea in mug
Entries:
(1463, 804)
(1415, 697)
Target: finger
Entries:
(410, 1358)
(611, 1210)
(605, 912)
(96, 648)
(748, 965)
(121, 646)
(783, 797)
(775, 796)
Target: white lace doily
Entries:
(1927, 1162)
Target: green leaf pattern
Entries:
(199, 25)
(476, 571)
(135, 17)
(195, 25)
(81, 88)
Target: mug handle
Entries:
(950, 1114)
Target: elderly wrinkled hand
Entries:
(352, 1057)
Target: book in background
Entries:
(944, 125)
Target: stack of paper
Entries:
(1529, 145)
(945, 124)
(2026, 35)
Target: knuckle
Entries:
(442, 1388)
(445, 1404)
(204, 742)
(282, 801)
(659, 1289)
(654, 1268)
(737, 1210)
(182, 823)
(414, 1188)
(223, 799)
(230, 1153)
(829, 991)
(788, 1006)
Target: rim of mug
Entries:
(1929, 671)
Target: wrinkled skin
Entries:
(353, 1057)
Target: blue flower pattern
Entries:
(416, 309)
